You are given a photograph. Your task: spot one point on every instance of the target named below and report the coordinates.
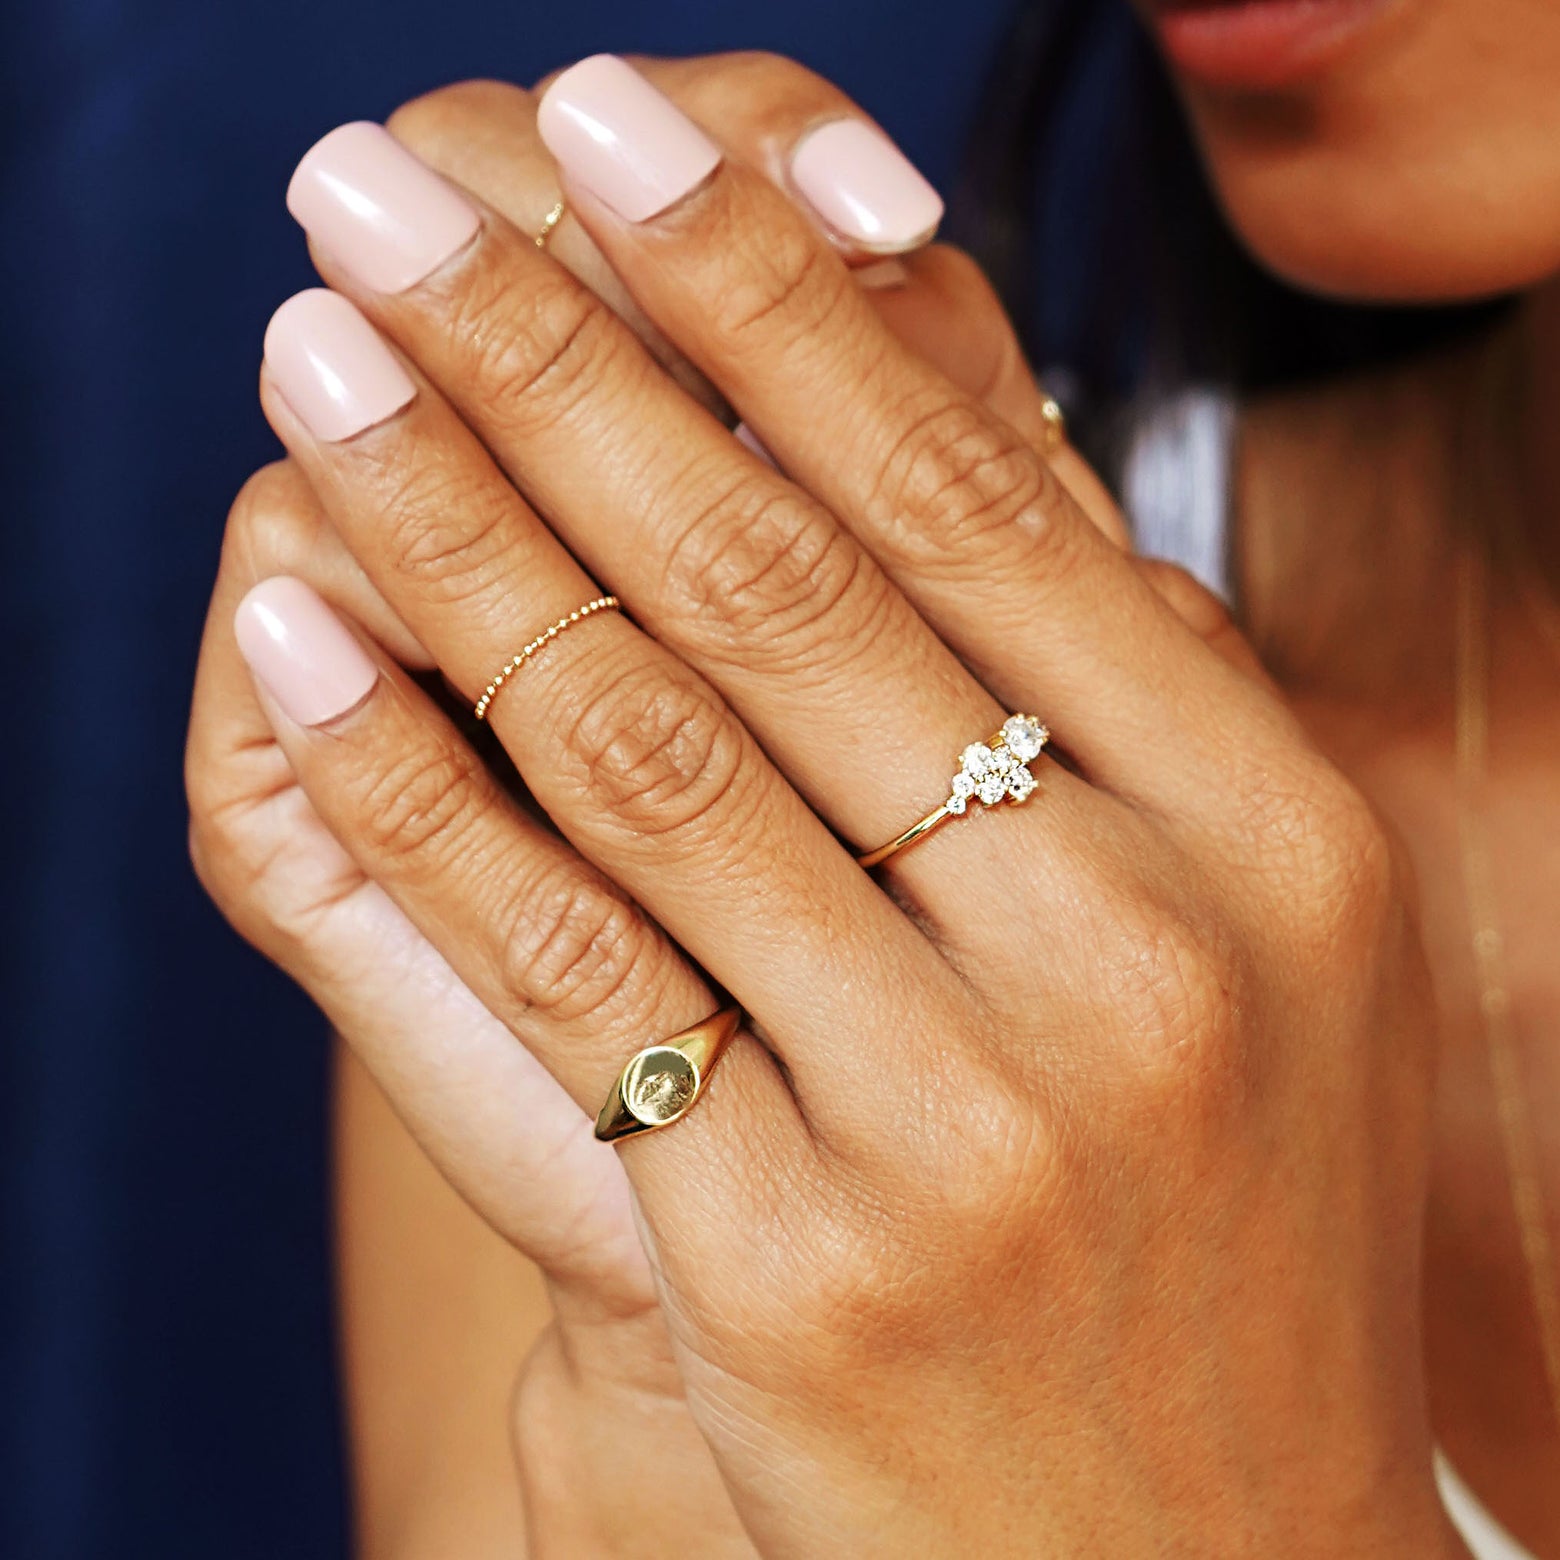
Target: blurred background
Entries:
(166, 1372)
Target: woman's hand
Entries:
(599, 1410)
(1066, 1197)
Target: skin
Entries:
(1368, 1391)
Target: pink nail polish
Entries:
(375, 209)
(301, 651)
(882, 275)
(751, 441)
(865, 188)
(332, 367)
(618, 137)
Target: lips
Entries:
(1257, 44)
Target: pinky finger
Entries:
(1205, 614)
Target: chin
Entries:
(1373, 230)
(1421, 166)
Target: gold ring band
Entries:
(1055, 421)
(546, 637)
(549, 222)
(990, 773)
(661, 1084)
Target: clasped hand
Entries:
(1063, 1194)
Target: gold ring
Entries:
(990, 772)
(549, 222)
(546, 637)
(661, 1084)
(1055, 421)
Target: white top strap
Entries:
(1176, 484)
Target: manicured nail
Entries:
(629, 146)
(301, 651)
(750, 441)
(882, 275)
(375, 209)
(332, 366)
(865, 188)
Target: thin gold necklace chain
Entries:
(1518, 1139)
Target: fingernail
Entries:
(750, 441)
(375, 209)
(619, 138)
(864, 187)
(301, 651)
(882, 275)
(332, 366)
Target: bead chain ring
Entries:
(546, 637)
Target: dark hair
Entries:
(1084, 198)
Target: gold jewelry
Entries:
(1055, 420)
(1519, 1141)
(549, 222)
(546, 637)
(661, 1084)
(989, 772)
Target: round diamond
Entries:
(1020, 783)
(1002, 761)
(1024, 736)
(956, 803)
(963, 784)
(975, 759)
(991, 789)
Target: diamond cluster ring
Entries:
(990, 773)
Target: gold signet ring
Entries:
(661, 1084)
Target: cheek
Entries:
(1428, 172)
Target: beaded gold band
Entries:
(990, 772)
(661, 1084)
(546, 637)
(549, 222)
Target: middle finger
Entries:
(742, 573)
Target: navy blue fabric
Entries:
(165, 1337)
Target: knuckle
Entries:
(656, 750)
(1330, 860)
(766, 293)
(444, 116)
(1177, 990)
(995, 1158)
(572, 946)
(958, 491)
(536, 341)
(273, 521)
(759, 570)
(445, 529)
(873, 1283)
(418, 811)
(765, 64)
(1352, 866)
